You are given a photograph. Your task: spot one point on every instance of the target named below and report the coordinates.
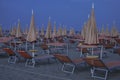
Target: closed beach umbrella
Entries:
(102, 33)
(18, 31)
(83, 32)
(13, 31)
(64, 33)
(26, 29)
(92, 32)
(1, 34)
(48, 31)
(114, 31)
(54, 30)
(42, 30)
(31, 36)
(59, 32)
(72, 32)
(87, 36)
(107, 32)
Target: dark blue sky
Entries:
(72, 13)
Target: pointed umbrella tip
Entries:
(88, 15)
(84, 22)
(32, 11)
(114, 22)
(18, 20)
(49, 17)
(92, 5)
(26, 24)
(54, 22)
(15, 23)
(107, 24)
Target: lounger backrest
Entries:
(89, 61)
(99, 63)
(24, 54)
(72, 41)
(7, 44)
(13, 44)
(84, 50)
(95, 62)
(118, 40)
(63, 58)
(101, 41)
(44, 46)
(117, 51)
(108, 46)
(9, 51)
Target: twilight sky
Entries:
(72, 13)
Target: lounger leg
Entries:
(30, 63)
(81, 54)
(48, 51)
(43, 51)
(94, 75)
(68, 65)
(12, 59)
(26, 62)
(33, 62)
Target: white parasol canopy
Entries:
(18, 31)
(31, 36)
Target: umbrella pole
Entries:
(101, 53)
(33, 47)
(26, 47)
(67, 48)
(15, 45)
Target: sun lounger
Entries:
(28, 58)
(12, 56)
(108, 46)
(117, 51)
(117, 40)
(99, 67)
(45, 48)
(67, 62)
(30, 62)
